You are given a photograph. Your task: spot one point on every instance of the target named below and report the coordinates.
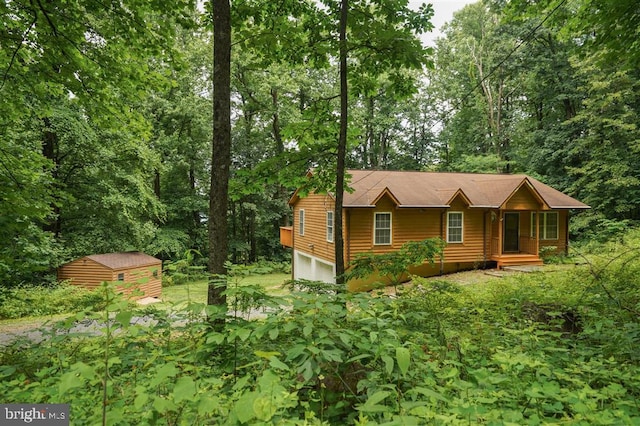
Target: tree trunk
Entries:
(221, 153)
(50, 151)
(342, 146)
(195, 214)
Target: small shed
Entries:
(134, 269)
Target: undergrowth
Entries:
(19, 302)
(542, 348)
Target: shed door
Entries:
(511, 232)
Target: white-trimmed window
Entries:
(301, 222)
(455, 221)
(330, 227)
(548, 225)
(382, 229)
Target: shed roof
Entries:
(125, 260)
(435, 189)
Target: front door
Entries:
(511, 243)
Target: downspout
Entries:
(347, 237)
(484, 239)
(293, 243)
(566, 233)
(442, 235)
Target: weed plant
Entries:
(544, 348)
(19, 302)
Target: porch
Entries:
(517, 259)
(513, 241)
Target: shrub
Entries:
(46, 300)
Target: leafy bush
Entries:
(46, 300)
(437, 353)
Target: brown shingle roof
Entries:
(432, 189)
(124, 260)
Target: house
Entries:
(134, 270)
(500, 218)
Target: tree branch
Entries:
(15, 52)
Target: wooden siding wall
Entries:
(314, 241)
(561, 242)
(141, 279)
(406, 225)
(414, 224)
(90, 275)
(86, 273)
(471, 248)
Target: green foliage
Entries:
(554, 347)
(394, 266)
(63, 298)
(188, 268)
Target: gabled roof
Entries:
(124, 260)
(434, 189)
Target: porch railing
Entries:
(528, 245)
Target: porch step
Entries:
(518, 260)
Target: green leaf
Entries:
(277, 364)
(124, 318)
(141, 399)
(165, 371)
(371, 405)
(162, 405)
(69, 381)
(263, 407)
(244, 407)
(266, 355)
(388, 364)
(403, 357)
(185, 389)
(429, 393)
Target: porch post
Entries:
(537, 253)
(500, 231)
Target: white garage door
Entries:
(307, 267)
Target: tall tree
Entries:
(377, 36)
(221, 152)
(342, 142)
(477, 78)
(96, 54)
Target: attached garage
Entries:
(135, 270)
(306, 267)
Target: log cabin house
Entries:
(485, 220)
(135, 270)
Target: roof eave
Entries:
(419, 206)
(585, 207)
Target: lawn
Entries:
(196, 291)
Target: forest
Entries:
(107, 126)
(181, 128)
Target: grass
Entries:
(197, 291)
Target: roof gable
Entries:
(459, 194)
(515, 199)
(432, 189)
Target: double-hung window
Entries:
(330, 227)
(301, 222)
(548, 225)
(455, 222)
(382, 229)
